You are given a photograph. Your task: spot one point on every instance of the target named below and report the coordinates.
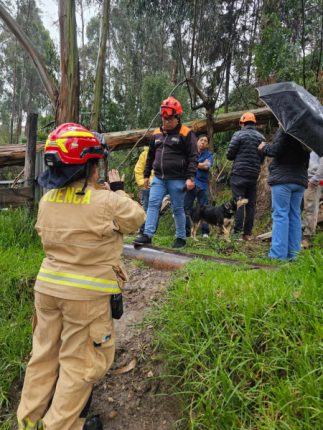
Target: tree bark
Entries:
(101, 60)
(30, 159)
(68, 100)
(227, 82)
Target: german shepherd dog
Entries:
(219, 216)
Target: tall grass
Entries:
(242, 348)
(20, 258)
(17, 229)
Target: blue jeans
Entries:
(202, 199)
(144, 198)
(287, 224)
(158, 190)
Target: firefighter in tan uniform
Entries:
(81, 227)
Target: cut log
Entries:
(14, 155)
(11, 155)
(16, 197)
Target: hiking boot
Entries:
(93, 423)
(179, 243)
(142, 239)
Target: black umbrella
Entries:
(300, 113)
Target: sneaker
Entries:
(179, 243)
(142, 239)
(205, 236)
(93, 423)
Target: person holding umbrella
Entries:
(300, 116)
(288, 181)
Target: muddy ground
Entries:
(134, 400)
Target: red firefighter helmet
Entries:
(72, 144)
(248, 117)
(170, 106)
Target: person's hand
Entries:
(261, 146)
(311, 185)
(189, 184)
(146, 183)
(115, 181)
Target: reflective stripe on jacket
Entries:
(109, 286)
(82, 237)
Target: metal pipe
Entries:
(165, 259)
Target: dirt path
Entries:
(130, 400)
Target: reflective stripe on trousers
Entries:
(27, 424)
(80, 281)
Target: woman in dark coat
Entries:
(288, 181)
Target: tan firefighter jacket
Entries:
(82, 236)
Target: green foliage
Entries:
(242, 347)
(275, 56)
(156, 88)
(17, 229)
(243, 97)
(20, 258)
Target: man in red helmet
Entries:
(81, 226)
(243, 151)
(173, 156)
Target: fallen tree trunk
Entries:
(14, 155)
(222, 122)
(11, 155)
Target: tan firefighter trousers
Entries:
(73, 347)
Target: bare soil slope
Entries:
(133, 400)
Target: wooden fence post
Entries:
(30, 158)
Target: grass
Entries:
(20, 258)
(242, 348)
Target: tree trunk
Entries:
(303, 44)
(68, 100)
(263, 202)
(13, 103)
(210, 126)
(98, 88)
(227, 83)
(252, 39)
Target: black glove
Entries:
(116, 186)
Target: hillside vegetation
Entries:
(242, 347)
(20, 257)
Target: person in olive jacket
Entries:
(243, 150)
(173, 156)
(288, 181)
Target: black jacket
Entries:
(243, 150)
(172, 154)
(290, 162)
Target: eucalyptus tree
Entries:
(291, 43)
(22, 88)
